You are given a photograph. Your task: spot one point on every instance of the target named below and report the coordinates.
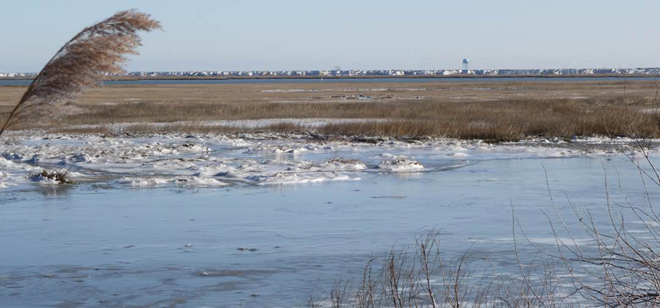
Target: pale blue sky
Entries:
(382, 34)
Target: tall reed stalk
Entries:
(95, 52)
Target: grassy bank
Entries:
(495, 111)
(503, 120)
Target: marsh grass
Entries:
(59, 176)
(492, 111)
(504, 120)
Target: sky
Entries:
(355, 34)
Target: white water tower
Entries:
(466, 69)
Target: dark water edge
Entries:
(412, 80)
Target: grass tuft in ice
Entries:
(57, 176)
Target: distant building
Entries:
(465, 69)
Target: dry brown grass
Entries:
(513, 120)
(493, 111)
(425, 277)
(90, 55)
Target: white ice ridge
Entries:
(161, 181)
(399, 164)
(257, 159)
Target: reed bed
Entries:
(489, 111)
(505, 120)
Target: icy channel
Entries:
(268, 221)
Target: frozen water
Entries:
(208, 220)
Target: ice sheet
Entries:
(262, 159)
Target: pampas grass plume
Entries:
(95, 52)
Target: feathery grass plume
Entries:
(95, 52)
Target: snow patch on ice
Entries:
(250, 158)
(294, 178)
(400, 163)
(161, 181)
(343, 164)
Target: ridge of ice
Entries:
(262, 158)
(399, 164)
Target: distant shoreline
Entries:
(130, 78)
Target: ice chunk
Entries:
(399, 164)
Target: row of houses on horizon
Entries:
(378, 73)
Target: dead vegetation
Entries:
(58, 176)
(424, 277)
(90, 55)
(490, 111)
(495, 121)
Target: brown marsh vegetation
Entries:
(94, 52)
(496, 111)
